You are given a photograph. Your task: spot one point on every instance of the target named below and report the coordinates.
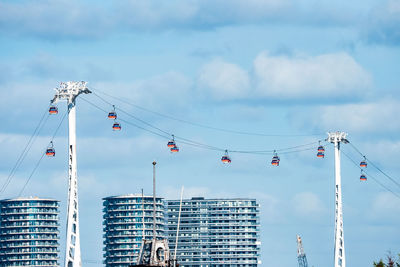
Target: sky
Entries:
(289, 71)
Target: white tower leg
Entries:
(73, 249)
(69, 91)
(339, 255)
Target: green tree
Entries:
(390, 261)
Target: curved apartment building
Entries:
(29, 232)
(126, 219)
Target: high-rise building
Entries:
(215, 232)
(125, 219)
(29, 232)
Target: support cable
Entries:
(26, 150)
(195, 143)
(376, 167)
(193, 123)
(40, 159)
(370, 176)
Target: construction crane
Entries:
(301, 256)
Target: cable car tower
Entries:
(339, 257)
(69, 91)
(301, 256)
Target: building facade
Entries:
(215, 232)
(29, 232)
(126, 219)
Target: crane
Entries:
(301, 256)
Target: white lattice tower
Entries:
(69, 91)
(339, 256)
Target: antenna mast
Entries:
(301, 256)
(69, 91)
(339, 258)
(154, 200)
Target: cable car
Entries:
(116, 126)
(321, 149)
(363, 177)
(275, 160)
(363, 163)
(171, 143)
(53, 110)
(112, 114)
(225, 158)
(50, 151)
(174, 149)
(320, 154)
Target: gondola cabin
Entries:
(320, 154)
(321, 149)
(275, 160)
(174, 149)
(225, 159)
(363, 164)
(112, 115)
(50, 152)
(171, 144)
(116, 126)
(363, 177)
(53, 110)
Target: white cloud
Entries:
(383, 25)
(324, 76)
(224, 80)
(374, 117)
(385, 207)
(307, 204)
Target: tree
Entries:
(391, 261)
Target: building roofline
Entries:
(131, 196)
(29, 199)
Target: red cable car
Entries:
(53, 110)
(363, 177)
(50, 151)
(275, 160)
(116, 126)
(171, 143)
(175, 149)
(363, 163)
(320, 154)
(321, 149)
(112, 114)
(225, 158)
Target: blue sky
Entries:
(273, 66)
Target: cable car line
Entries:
(374, 165)
(193, 123)
(192, 142)
(369, 175)
(42, 156)
(26, 149)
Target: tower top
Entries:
(336, 137)
(69, 91)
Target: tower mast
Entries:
(301, 256)
(339, 256)
(69, 91)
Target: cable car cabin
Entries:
(171, 144)
(320, 155)
(363, 164)
(275, 162)
(116, 126)
(225, 159)
(53, 110)
(175, 149)
(321, 149)
(363, 177)
(50, 152)
(112, 115)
